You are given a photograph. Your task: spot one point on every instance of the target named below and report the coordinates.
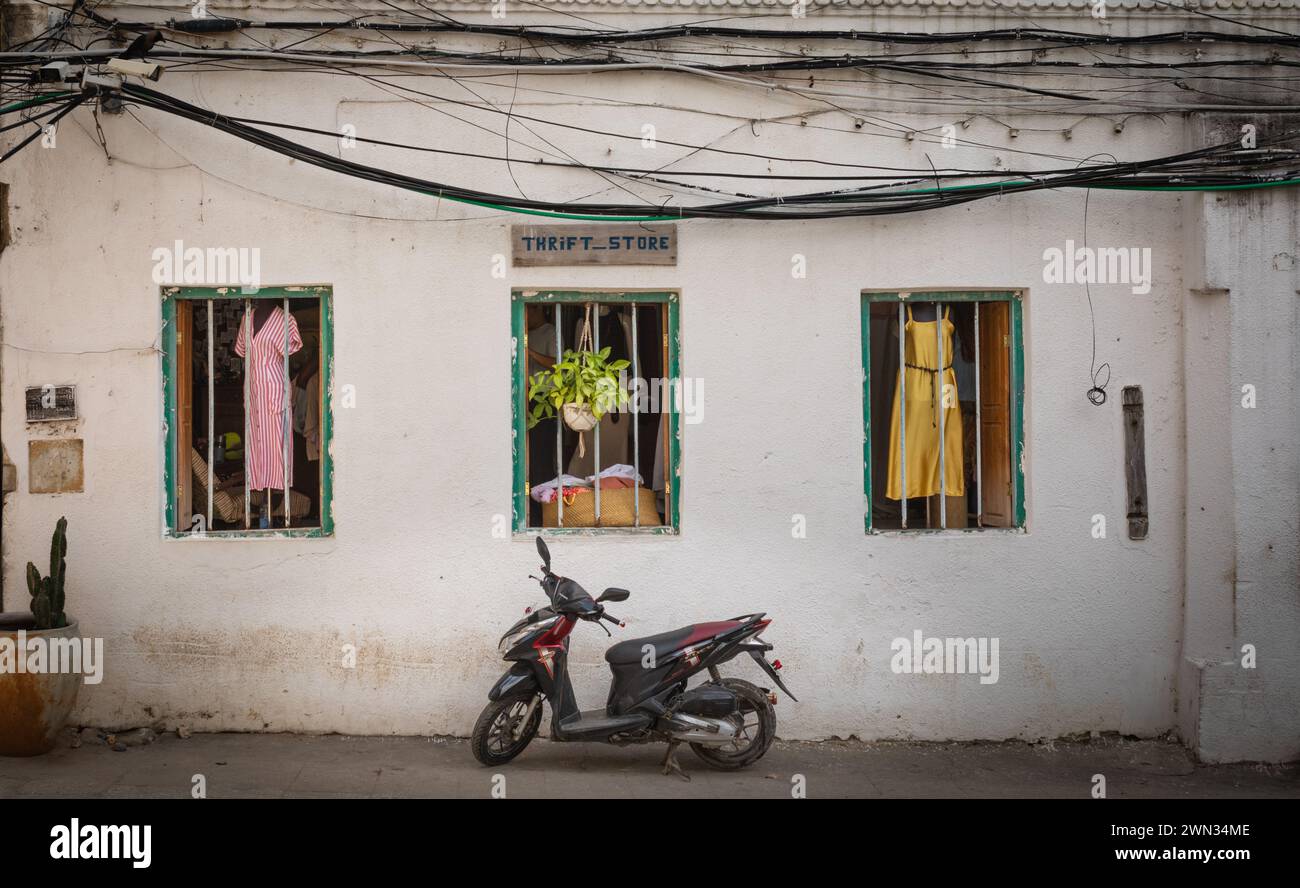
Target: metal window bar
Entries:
(287, 441)
(979, 454)
(596, 345)
(559, 422)
(902, 412)
(940, 385)
(212, 385)
(248, 375)
(636, 426)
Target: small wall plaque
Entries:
(55, 465)
(50, 402)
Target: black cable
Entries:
(638, 172)
(1223, 18)
(833, 204)
(30, 119)
(210, 25)
(802, 63)
(1097, 393)
(76, 100)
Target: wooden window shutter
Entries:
(995, 413)
(184, 412)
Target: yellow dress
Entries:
(924, 395)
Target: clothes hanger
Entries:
(924, 311)
(262, 312)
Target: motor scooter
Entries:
(728, 722)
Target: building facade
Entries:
(380, 611)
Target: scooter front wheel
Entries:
(756, 724)
(500, 733)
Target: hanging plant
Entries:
(582, 386)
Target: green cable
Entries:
(1278, 183)
(1199, 187)
(557, 215)
(40, 100)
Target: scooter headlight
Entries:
(513, 638)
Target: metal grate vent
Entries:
(50, 402)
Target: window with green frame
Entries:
(620, 473)
(232, 471)
(943, 439)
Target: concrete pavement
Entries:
(292, 765)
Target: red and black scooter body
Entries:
(649, 674)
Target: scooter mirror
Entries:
(612, 594)
(544, 552)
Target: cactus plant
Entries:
(47, 592)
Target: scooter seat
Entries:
(665, 643)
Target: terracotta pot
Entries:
(33, 706)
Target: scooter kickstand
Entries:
(671, 765)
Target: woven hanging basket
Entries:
(579, 417)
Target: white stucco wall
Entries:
(246, 635)
(1242, 586)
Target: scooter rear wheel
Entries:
(757, 718)
(499, 735)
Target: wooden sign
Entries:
(599, 244)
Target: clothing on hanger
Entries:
(926, 382)
(264, 458)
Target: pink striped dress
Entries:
(264, 451)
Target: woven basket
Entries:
(616, 509)
(579, 417)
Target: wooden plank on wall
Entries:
(1135, 462)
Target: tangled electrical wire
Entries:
(579, 36)
(885, 191)
(1227, 166)
(1218, 167)
(977, 62)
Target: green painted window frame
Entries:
(1015, 298)
(170, 297)
(519, 299)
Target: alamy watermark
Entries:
(211, 266)
(102, 842)
(1099, 265)
(684, 396)
(953, 656)
(39, 655)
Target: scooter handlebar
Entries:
(604, 615)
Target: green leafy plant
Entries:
(585, 378)
(47, 592)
